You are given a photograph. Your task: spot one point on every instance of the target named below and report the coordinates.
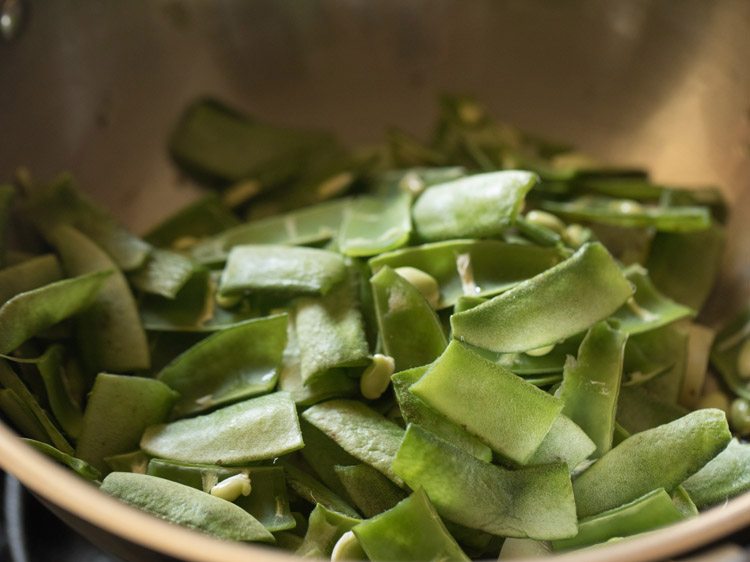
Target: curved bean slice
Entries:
(482, 205)
(491, 266)
(325, 529)
(724, 477)
(62, 203)
(520, 549)
(27, 275)
(185, 506)
(650, 354)
(412, 530)
(164, 273)
(370, 491)
(20, 415)
(261, 428)
(410, 330)
(283, 270)
(565, 442)
(375, 225)
(323, 455)
(29, 313)
(228, 366)
(639, 410)
(669, 384)
(535, 502)
(109, 333)
(639, 464)
(416, 411)
(314, 492)
(360, 431)
(646, 513)
(549, 307)
(80, 467)
(683, 502)
(726, 354)
(119, 409)
(505, 412)
(591, 384)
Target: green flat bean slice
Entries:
(370, 491)
(323, 455)
(725, 476)
(7, 195)
(164, 273)
(465, 302)
(620, 187)
(360, 431)
(62, 203)
(621, 212)
(134, 461)
(410, 330)
(228, 366)
(646, 513)
(415, 410)
(109, 333)
(313, 491)
(202, 218)
(549, 307)
(520, 549)
(591, 384)
(535, 502)
(282, 270)
(185, 506)
(119, 409)
(683, 502)
(565, 442)
(20, 415)
(639, 464)
(648, 308)
(80, 467)
(649, 354)
(31, 312)
(375, 225)
(412, 530)
(30, 274)
(471, 267)
(726, 353)
(330, 332)
(325, 529)
(669, 384)
(479, 206)
(260, 428)
(505, 412)
(267, 501)
(672, 263)
(639, 410)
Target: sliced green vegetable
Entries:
(370, 491)
(565, 442)
(261, 428)
(730, 354)
(66, 411)
(313, 491)
(326, 528)
(520, 549)
(164, 273)
(650, 354)
(28, 275)
(554, 305)
(231, 365)
(639, 464)
(80, 467)
(683, 502)
(375, 225)
(20, 415)
(639, 410)
(185, 506)
(323, 455)
(722, 478)
(535, 502)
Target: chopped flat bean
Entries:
(565, 442)
(683, 502)
(370, 491)
(315, 492)
(725, 476)
(326, 528)
(28, 275)
(728, 355)
(375, 225)
(323, 455)
(638, 410)
(80, 467)
(21, 416)
(164, 273)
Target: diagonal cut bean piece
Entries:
(164, 273)
(724, 477)
(375, 225)
(30, 274)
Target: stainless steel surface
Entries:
(95, 87)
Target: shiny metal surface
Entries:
(94, 87)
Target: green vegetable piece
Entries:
(360, 431)
(66, 411)
(639, 464)
(505, 412)
(134, 461)
(650, 354)
(549, 307)
(267, 501)
(728, 355)
(62, 203)
(231, 365)
(624, 212)
(648, 309)
(28, 275)
(282, 270)
(109, 333)
(520, 549)
(370, 491)
(313, 491)
(325, 529)
(185, 506)
(205, 217)
(119, 409)
(31, 312)
(538, 233)
(727, 475)
(668, 386)
(535, 502)
(323, 455)
(565, 442)
(330, 332)
(671, 264)
(683, 502)
(639, 410)
(591, 384)
(416, 411)
(7, 195)
(412, 530)
(532, 365)
(467, 303)
(261, 428)
(410, 330)
(471, 267)
(164, 273)
(375, 225)
(80, 467)
(651, 511)
(21, 416)
(479, 206)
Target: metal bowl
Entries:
(94, 87)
